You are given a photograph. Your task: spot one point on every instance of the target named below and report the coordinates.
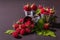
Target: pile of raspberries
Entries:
(23, 26)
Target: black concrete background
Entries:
(12, 10)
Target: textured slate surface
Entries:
(12, 10)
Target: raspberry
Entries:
(28, 23)
(42, 10)
(18, 30)
(22, 32)
(21, 20)
(33, 7)
(46, 25)
(23, 26)
(32, 25)
(15, 26)
(28, 30)
(40, 7)
(15, 34)
(27, 7)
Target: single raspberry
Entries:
(18, 30)
(32, 25)
(15, 34)
(21, 20)
(27, 7)
(15, 26)
(22, 32)
(28, 23)
(40, 6)
(42, 11)
(33, 7)
(46, 26)
(28, 30)
(23, 26)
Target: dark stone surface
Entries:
(12, 10)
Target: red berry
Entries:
(32, 25)
(46, 25)
(42, 10)
(23, 26)
(15, 34)
(28, 23)
(27, 7)
(15, 26)
(40, 7)
(18, 30)
(33, 7)
(21, 20)
(22, 32)
(28, 30)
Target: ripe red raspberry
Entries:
(18, 30)
(28, 23)
(28, 30)
(40, 7)
(42, 10)
(23, 26)
(21, 20)
(46, 26)
(32, 25)
(33, 7)
(15, 26)
(22, 32)
(27, 7)
(15, 34)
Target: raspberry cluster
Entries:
(23, 26)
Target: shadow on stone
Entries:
(54, 30)
(19, 37)
(29, 33)
(55, 25)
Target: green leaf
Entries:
(9, 31)
(46, 33)
(37, 11)
(50, 33)
(39, 32)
